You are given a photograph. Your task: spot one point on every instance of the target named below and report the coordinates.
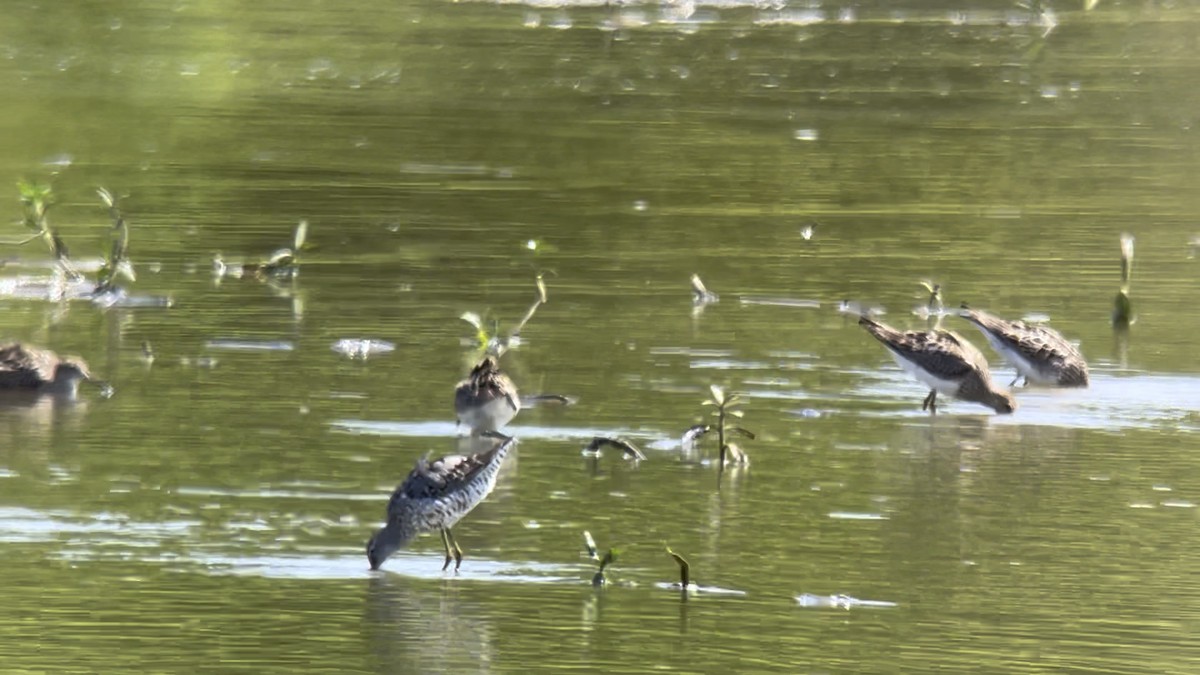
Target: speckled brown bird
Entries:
(1040, 354)
(945, 362)
(487, 400)
(32, 369)
(435, 496)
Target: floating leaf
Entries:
(473, 319)
(743, 432)
(623, 445)
(684, 568)
(736, 454)
(300, 236)
(591, 545)
(693, 433)
(1126, 259)
(125, 269)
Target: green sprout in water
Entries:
(598, 579)
(933, 310)
(935, 296)
(726, 408)
(36, 200)
(482, 337)
(685, 570)
(1122, 305)
(284, 262)
(116, 261)
(494, 343)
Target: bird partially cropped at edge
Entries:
(435, 496)
(1040, 354)
(944, 361)
(32, 369)
(487, 399)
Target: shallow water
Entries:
(213, 513)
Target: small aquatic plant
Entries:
(36, 200)
(726, 408)
(701, 296)
(935, 296)
(285, 261)
(631, 451)
(116, 259)
(495, 344)
(1122, 305)
(602, 563)
(933, 311)
(685, 570)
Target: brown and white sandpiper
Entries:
(945, 362)
(1040, 354)
(487, 399)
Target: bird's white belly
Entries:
(489, 416)
(1024, 366)
(941, 386)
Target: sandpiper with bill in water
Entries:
(945, 362)
(435, 496)
(40, 370)
(1040, 354)
(487, 399)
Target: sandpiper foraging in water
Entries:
(945, 362)
(1040, 354)
(435, 496)
(487, 399)
(41, 370)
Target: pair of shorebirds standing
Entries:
(950, 365)
(438, 493)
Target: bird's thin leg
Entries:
(457, 551)
(928, 398)
(446, 543)
(931, 402)
(1015, 380)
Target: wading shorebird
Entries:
(487, 399)
(945, 362)
(435, 496)
(40, 370)
(1041, 355)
